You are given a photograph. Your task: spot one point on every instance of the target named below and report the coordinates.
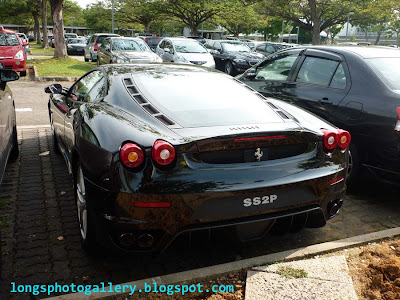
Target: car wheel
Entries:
(353, 165)
(15, 150)
(98, 63)
(229, 68)
(86, 59)
(85, 220)
(55, 142)
(92, 59)
(22, 74)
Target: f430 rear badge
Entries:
(259, 200)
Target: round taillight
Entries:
(131, 155)
(163, 153)
(330, 139)
(344, 139)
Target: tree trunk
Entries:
(265, 36)
(44, 24)
(378, 37)
(193, 28)
(36, 27)
(60, 50)
(316, 29)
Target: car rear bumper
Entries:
(309, 201)
(14, 64)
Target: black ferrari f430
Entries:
(158, 150)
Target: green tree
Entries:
(312, 15)
(98, 16)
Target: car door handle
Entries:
(325, 100)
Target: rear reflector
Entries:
(336, 180)
(259, 138)
(397, 127)
(152, 204)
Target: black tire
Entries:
(229, 68)
(92, 59)
(55, 141)
(86, 60)
(22, 74)
(354, 165)
(95, 238)
(15, 150)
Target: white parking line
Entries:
(33, 126)
(23, 109)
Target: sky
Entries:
(83, 3)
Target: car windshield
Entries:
(235, 47)
(8, 39)
(129, 45)
(222, 102)
(70, 35)
(76, 41)
(189, 46)
(387, 69)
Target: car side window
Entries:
(339, 79)
(260, 47)
(217, 46)
(162, 45)
(276, 68)
(168, 45)
(317, 71)
(270, 49)
(82, 90)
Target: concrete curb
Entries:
(245, 263)
(51, 78)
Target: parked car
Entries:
(93, 45)
(70, 36)
(355, 88)
(24, 39)
(152, 158)
(184, 51)
(117, 50)
(232, 56)
(50, 40)
(12, 54)
(267, 48)
(76, 46)
(8, 122)
(253, 44)
(152, 42)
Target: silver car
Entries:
(184, 51)
(93, 45)
(117, 50)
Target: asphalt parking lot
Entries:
(40, 238)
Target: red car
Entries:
(12, 56)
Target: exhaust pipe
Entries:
(145, 240)
(333, 207)
(127, 239)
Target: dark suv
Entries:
(355, 88)
(93, 45)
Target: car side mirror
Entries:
(8, 75)
(55, 88)
(250, 74)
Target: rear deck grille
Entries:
(248, 155)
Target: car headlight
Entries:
(240, 61)
(181, 59)
(19, 55)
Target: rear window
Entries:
(8, 39)
(198, 99)
(153, 42)
(100, 38)
(387, 69)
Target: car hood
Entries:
(196, 56)
(9, 51)
(247, 55)
(137, 56)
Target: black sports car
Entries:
(8, 122)
(76, 46)
(152, 158)
(232, 57)
(355, 88)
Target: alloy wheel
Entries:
(81, 203)
(228, 68)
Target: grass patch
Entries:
(61, 67)
(289, 272)
(36, 49)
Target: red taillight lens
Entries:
(330, 139)
(152, 204)
(95, 47)
(163, 153)
(131, 155)
(397, 127)
(344, 139)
